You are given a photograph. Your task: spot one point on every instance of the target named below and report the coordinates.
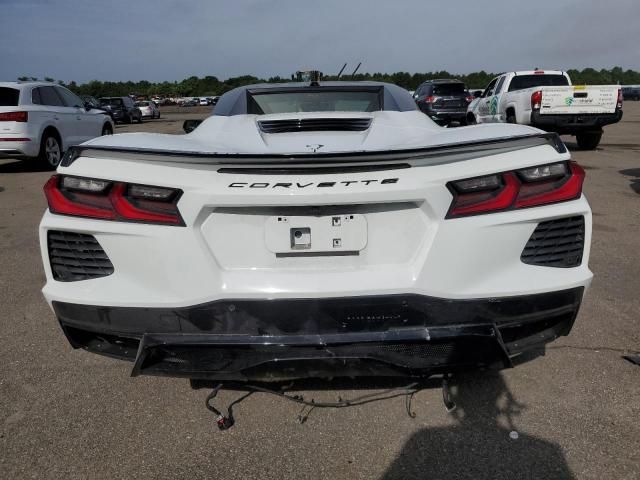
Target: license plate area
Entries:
(339, 234)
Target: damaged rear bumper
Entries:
(269, 340)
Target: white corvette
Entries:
(317, 230)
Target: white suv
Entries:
(41, 120)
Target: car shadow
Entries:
(635, 180)
(22, 166)
(483, 442)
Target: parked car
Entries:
(93, 102)
(546, 99)
(123, 109)
(40, 120)
(203, 101)
(444, 101)
(317, 230)
(148, 109)
(631, 93)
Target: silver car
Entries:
(148, 109)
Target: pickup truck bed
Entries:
(547, 100)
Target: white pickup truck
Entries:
(547, 100)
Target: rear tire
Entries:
(128, 119)
(50, 150)
(107, 129)
(511, 118)
(588, 140)
(471, 119)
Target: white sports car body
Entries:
(317, 231)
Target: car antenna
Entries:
(341, 70)
(354, 72)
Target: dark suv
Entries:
(631, 93)
(121, 109)
(444, 101)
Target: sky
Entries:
(159, 40)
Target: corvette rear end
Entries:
(327, 257)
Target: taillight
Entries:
(469, 99)
(430, 99)
(529, 187)
(107, 200)
(14, 117)
(619, 105)
(536, 99)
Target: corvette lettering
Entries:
(345, 183)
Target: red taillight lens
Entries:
(469, 99)
(530, 187)
(536, 99)
(106, 200)
(14, 117)
(619, 104)
(430, 99)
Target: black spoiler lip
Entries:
(471, 149)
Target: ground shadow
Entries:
(21, 166)
(482, 443)
(635, 180)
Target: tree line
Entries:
(211, 85)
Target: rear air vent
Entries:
(556, 243)
(76, 256)
(315, 124)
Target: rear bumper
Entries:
(565, 123)
(263, 340)
(22, 149)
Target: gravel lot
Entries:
(576, 411)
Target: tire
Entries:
(50, 150)
(588, 140)
(107, 129)
(511, 117)
(471, 119)
(140, 119)
(128, 119)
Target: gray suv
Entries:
(444, 101)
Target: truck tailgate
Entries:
(578, 99)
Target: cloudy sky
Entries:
(172, 39)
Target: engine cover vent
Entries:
(556, 243)
(315, 125)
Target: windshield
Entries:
(528, 81)
(111, 101)
(314, 101)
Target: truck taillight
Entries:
(14, 117)
(430, 99)
(528, 187)
(108, 200)
(619, 104)
(536, 99)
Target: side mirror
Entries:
(190, 125)
(477, 94)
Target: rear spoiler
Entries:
(433, 155)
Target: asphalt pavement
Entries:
(573, 413)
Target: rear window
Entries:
(9, 97)
(111, 101)
(314, 101)
(142, 104)
(528, 81)
(444, 89)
